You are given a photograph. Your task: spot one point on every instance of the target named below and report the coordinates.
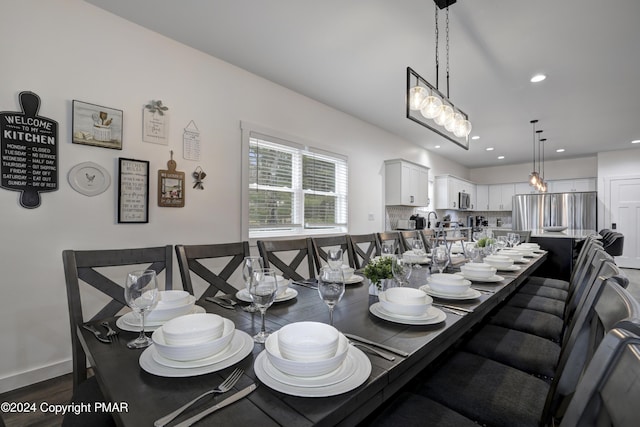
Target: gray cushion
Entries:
(538, 303)
(547, 281)
(487, 391)
(544, 291)
(410, 409)
(531, 321)
(527, 352)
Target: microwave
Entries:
(464, 201)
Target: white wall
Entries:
(65, 50)
(614, 164)
(583, 167)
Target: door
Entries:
(625, 214)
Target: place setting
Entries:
(407, 306)
(501, 262)
(450, 286)
(480, 272)
(252, 265)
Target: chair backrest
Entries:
(91, 267)
(191, 257)
(614, 244)
(525, 235)
(288, 257)
(392, 236)
(322, 244)
(582, 281)
(607, 304)
(407, 237)
(364, 247)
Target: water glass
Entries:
(249, 265)
(331, 288)
(501, 243)
(513, 238)
(334, 258)
(440, 258)
(141, 294)
(401, 271)
(388, 248)
(263, 289)
(418, 247)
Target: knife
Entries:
(228, 401)
(219, 302)
(453, 307)
(375, 344)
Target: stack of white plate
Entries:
(414, 257)
(449, 286)
(514, 254)
(171, 304)
(311, 359)
(284, 293)
(501, 262)
(194, 344)
(480, 272)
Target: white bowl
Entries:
(171, 308)
(305, 368)
(511, 253)
(449, 287)
(498, 261)
(308, 341)
(406, 296)
(283, 285)
(193, 329)
(446, 278)
(186, 352)
(404, 309)
(168, 299)
(479, 270)
(533, 246)
(347, 271)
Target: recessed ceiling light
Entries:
(636, 141)
(561, 150)
(489, 148)
(475, 137)
(437, 146)
(500, 157)
(538, 78)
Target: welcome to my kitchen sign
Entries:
(28, 151)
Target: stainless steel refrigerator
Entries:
(572, 210)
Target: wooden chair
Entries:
(322, 244)
(190, 259)
(392, 236)
(288, 257)
(525, 235)
(407, 237)
(364, 247)
(91, 267)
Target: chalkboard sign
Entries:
(29, 151)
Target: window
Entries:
(293, 189)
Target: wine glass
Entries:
(401, 270)
(440, 258)
(249, 265)
(141, 293)
(418, 247)
(388, 248)
(263, 288)
(514, 239)
(334, 258)
(501, 242)
(331, 288)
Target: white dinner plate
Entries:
(417, 259)
(344, 371)
(510, 268)
(522, 260)
(353, 279)
(469, 294)
(243, 295)
(359, 374)
(129, 321)
(230, 350)
(428, 319)
(494, 278)
(149, 364)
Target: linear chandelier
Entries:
(427, 106)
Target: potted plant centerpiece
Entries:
(378, 271)
(486, 245)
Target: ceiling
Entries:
(353, 54)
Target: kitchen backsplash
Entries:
(394, 213)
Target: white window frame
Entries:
(300, 146)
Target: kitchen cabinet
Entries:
(482, 197)
(500, 196)
(447, 188)
(571, 185)
(524, 188)
(406, 183)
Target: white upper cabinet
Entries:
(448, 187)
(406, 183)
(482, 197)
(524, 188)
(500, 196)
(569, 185)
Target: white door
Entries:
(625, 214)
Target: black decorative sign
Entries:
(29, 151)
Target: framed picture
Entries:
(97, 125)
(133, 191)
(171, 186)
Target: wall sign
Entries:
(171, 186)
(191, 142)
(29, 151)
(155, 127)
(133, 191)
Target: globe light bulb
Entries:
(446, 112)
(431, 107)
(533, 178)
(417, 95)
(451, 124)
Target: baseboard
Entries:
(33, 376)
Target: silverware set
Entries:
(227, 302)
(108, 337)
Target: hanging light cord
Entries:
(447, 31)
(437, 53)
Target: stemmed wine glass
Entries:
(249, 265)
(141, 293)
(440, 258)
(388, 248)
(263, 288)
(514, 239)
(501, 242)
(334, 258)
(331, 288)
(401, 270)
(417, 246)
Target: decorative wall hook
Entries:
(199, 175)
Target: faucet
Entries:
(429, 216)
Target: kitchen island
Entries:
(563, 247)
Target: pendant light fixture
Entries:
(535, 176)
(543, 186)
(426, 105)
(540, 184)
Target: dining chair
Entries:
(104, 270)
(322, 244)
(407, 237)
(428, 238)
(364, 247)
(201, 260)
(288, 256)
(392, 236)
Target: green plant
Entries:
(378, 269)
(485, 241)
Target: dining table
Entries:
(149, 396)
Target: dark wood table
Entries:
(150, 397)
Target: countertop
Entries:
(576, 234)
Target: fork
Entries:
(111, 334)
(225, 386)
(97, 333)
